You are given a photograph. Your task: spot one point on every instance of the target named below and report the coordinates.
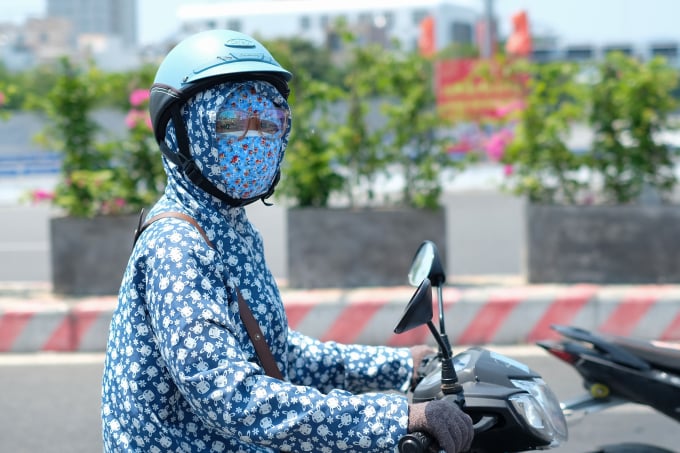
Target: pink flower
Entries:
(40, 195)
(508, 170)
(138, 97)
(134, 117)
(131, 118)
(3, 98)
(495, 145)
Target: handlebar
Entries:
(420, 442)
(416, 442)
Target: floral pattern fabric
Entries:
(181, 374)
(249, 159)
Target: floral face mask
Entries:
(249, 137)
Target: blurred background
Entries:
(595, 125)
(130, 37)
(132, 26)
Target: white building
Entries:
(372, 20)
(115, 18)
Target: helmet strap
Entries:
(186, 164)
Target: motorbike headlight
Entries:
(541, 410)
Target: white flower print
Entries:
(176, 254)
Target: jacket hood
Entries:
(199, 115)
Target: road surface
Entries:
(50, 403)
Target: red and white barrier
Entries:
(488, 315)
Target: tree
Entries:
(118, 176)
(544, 168)
(626, 102)
(631, 106)
(380, 121)
(411, 136)
(309, 174)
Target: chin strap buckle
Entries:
(190, 169)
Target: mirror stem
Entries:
(440, 304)
(443, 349)
(442, 324)
(450, 385)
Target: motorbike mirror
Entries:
(427, 264)
(418, 310)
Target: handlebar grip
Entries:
(416, 442)
(420, 442)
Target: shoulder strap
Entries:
(252, 327)
(257, 338)
(141, 227)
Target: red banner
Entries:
(463, 94)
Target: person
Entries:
(181, 371)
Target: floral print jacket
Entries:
(181, 374)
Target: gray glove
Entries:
(445, 422)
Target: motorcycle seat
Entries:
(660, 354)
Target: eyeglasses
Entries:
(238, 124)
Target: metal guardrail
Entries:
(43, 163)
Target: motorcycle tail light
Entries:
(564, 355)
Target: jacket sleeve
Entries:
(199, 341)
(356, 368)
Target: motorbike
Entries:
(511, 406)
(619, 370)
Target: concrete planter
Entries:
(603, 244)
(345, 248)
(89, 255)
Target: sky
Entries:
(573, 21)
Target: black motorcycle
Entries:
(619, 370)
(512, 408)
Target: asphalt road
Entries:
(50, 403)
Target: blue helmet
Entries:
(201, 61)
(206, 59)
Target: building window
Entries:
(234, 24)
(305, 23)
(626, 50)
(333, 42)
(579, 53)
(365, 18)
(542, 55)
(461, 32)
(419, 15)
(669, 51)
